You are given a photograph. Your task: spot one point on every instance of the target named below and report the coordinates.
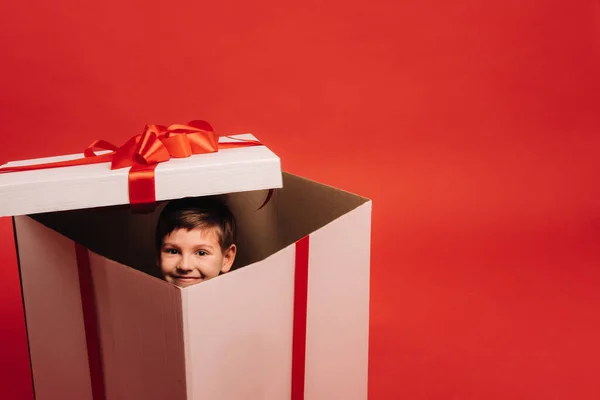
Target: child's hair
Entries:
(197, 212)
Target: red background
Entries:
(472, 125)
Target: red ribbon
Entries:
(299, 324)
(145, 151)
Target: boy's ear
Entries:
(228, 258)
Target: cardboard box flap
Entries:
(96, 185)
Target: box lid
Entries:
(97, 185)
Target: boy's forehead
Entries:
(202, 234)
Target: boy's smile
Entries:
(188, 257)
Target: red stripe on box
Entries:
(300, 307)
(91, 324)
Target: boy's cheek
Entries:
(166, 266)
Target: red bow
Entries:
(157, 144)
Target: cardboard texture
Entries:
(228, 338)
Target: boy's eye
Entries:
(202, 253)
(171, 251)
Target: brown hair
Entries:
(197, 212)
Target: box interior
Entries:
(299, 208)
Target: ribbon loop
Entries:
(150, 150)
(185, 140)
(179, 128)
(199, 124)
(204, 142)
(178, 145)
(124, 155)
(100, 145)
(156, 129)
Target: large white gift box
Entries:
(290, 321)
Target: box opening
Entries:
(300, 207)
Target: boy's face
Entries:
(190, 257)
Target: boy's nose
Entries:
(185, 264)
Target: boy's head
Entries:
(195, 240)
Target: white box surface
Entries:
(96, 185)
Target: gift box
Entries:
(290, 321)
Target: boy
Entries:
(195, 240)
